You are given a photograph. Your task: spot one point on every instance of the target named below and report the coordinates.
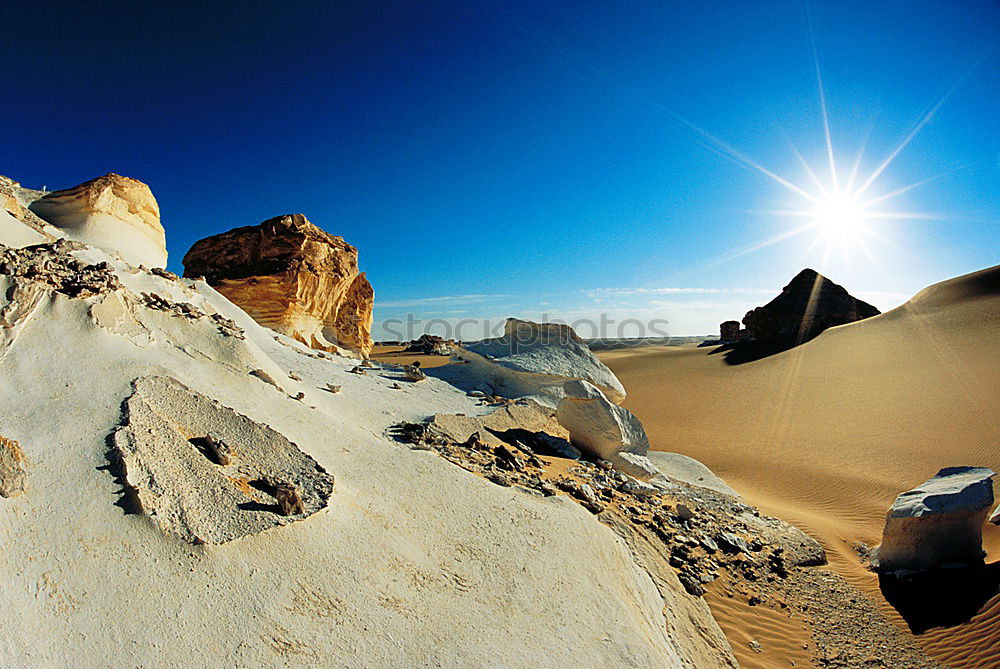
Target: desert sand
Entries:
(397, 355)
(825, 435)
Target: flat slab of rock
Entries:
(169, 451)
(637, 466)
(939, 522)
(525, 420)
(683, 468)
(598, 426)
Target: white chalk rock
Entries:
(635, 465)
(113, 213)
(995, 516)
(639, 488)
(461, 543)
(18, 226)
(938, 522)
(688, 470)
(537, 359)
(598, 426)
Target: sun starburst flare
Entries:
(844, 214)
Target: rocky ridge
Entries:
(532, 360)
(686, 535)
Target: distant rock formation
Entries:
(114, 213)
(292, 277)
(809, 304)
(729, 332)
(537, 359)
(938, 522)
(431, 345)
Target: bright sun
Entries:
(836, 201)
(840, 217)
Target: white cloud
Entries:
(623, 292)
(436, 301)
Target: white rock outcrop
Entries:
(939, 522)
(113, 213)
(683, 468)
(596, 425)
(635, 465)
(20, 227)
(415, 562)
(535, 360)
(995, 516)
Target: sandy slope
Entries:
(827, 434)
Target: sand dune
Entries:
(827, 434)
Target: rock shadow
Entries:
(749, 351)
(128, 498)
(539, 443)
(941, 597)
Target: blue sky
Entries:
(557, 159)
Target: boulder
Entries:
(635, 465)
(596, 425)
(292, 277)
(938, 522)
(113, 213)
(809, 304)
(995, 516)
(537, 359)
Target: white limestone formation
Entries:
(533, 360)
(411, 550)
(598, 426)
(938, 522)
(113, 213)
